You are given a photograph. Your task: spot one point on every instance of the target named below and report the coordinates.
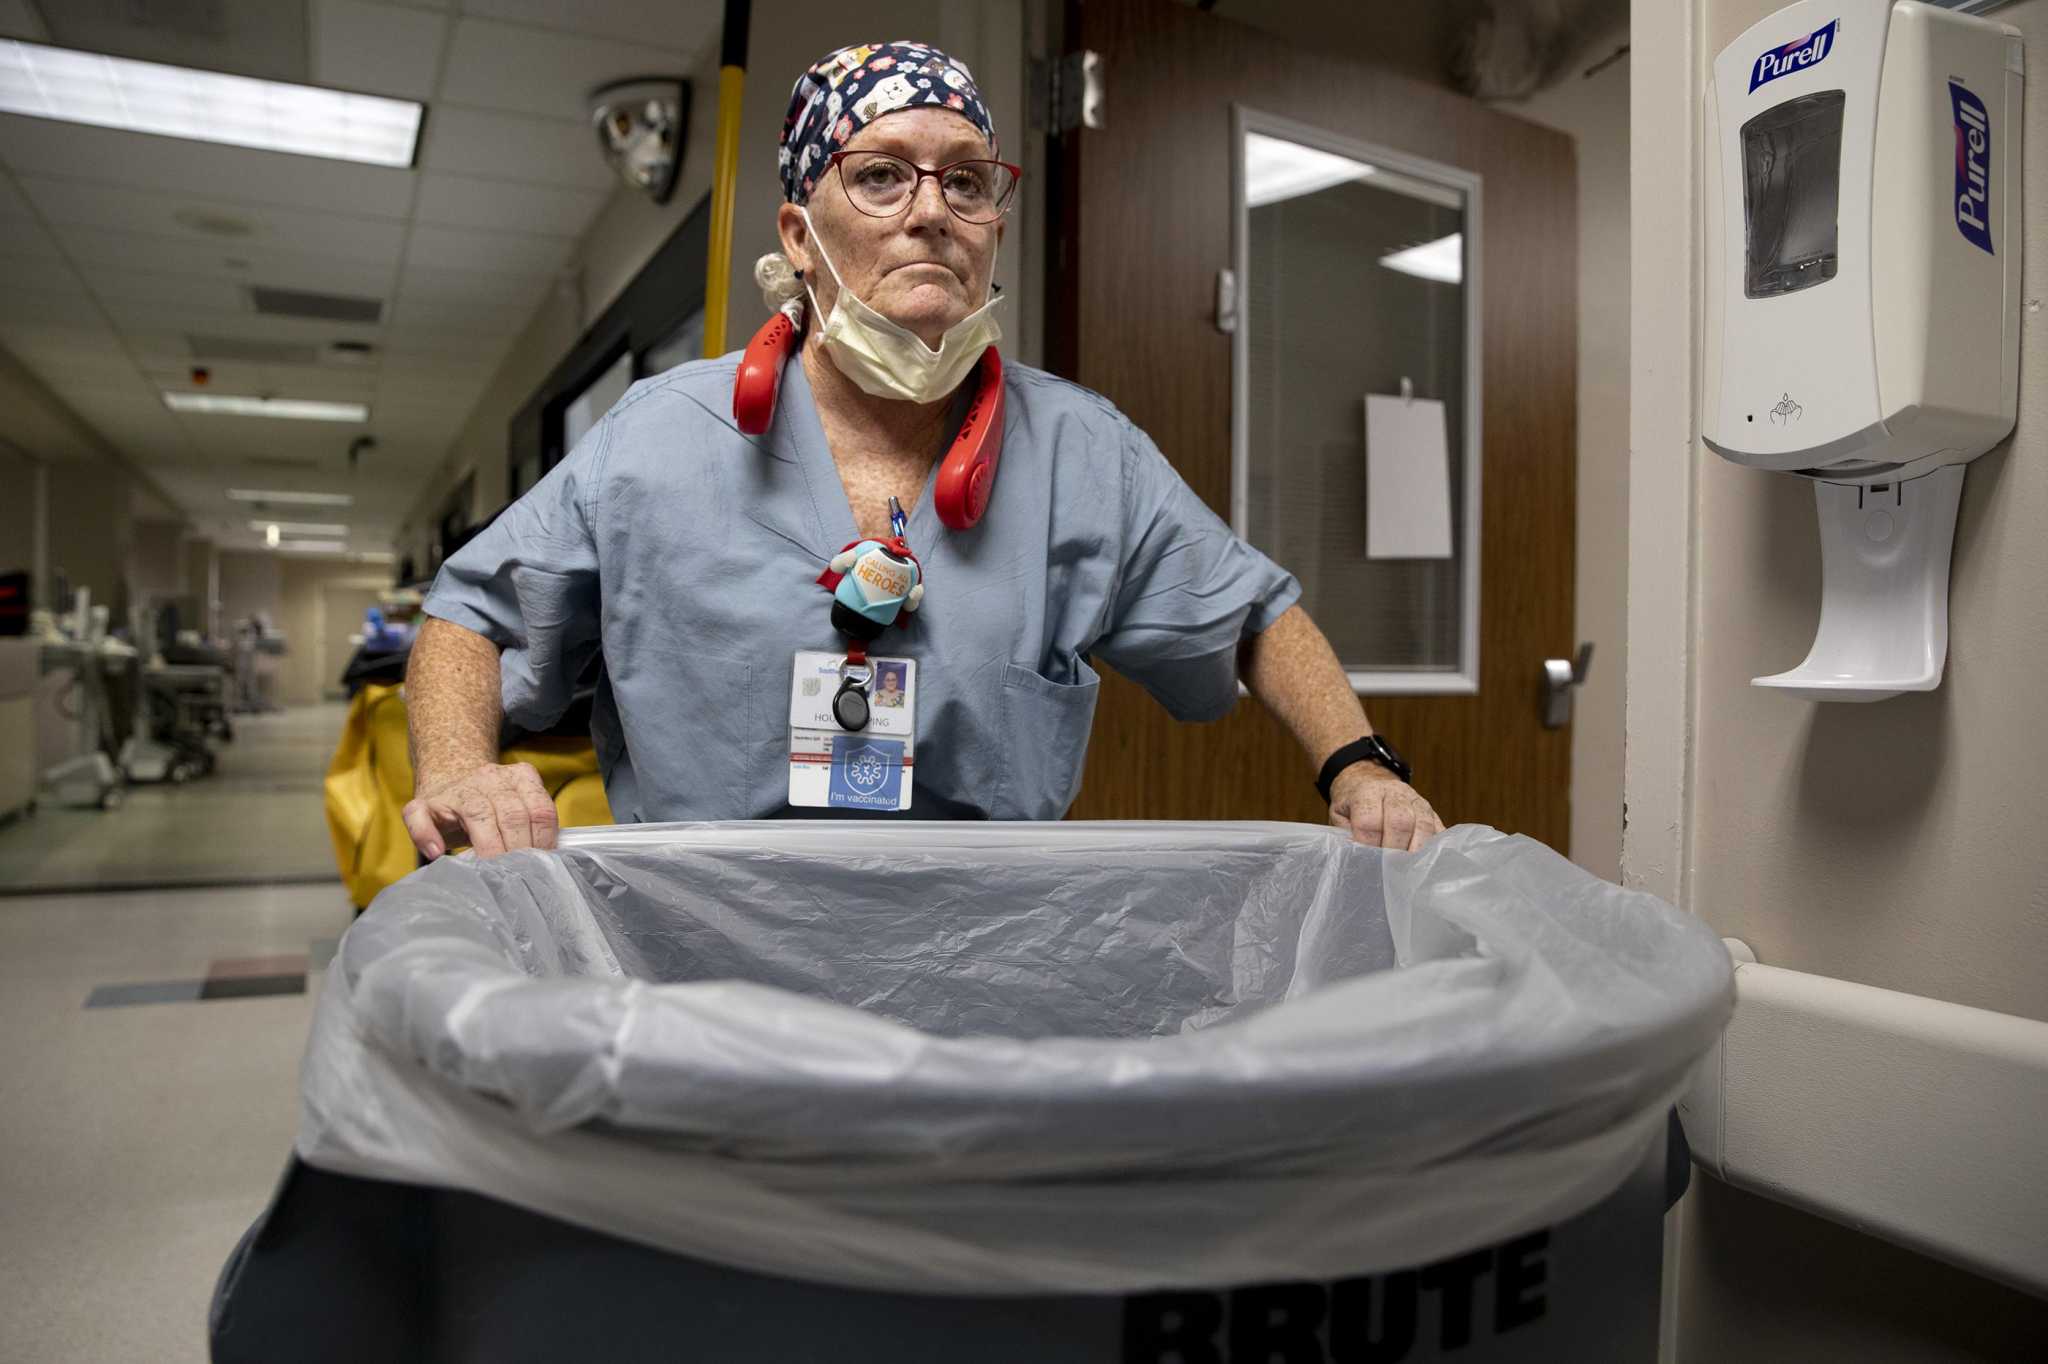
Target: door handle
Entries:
(1560, 676)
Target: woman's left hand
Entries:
(1381, 810)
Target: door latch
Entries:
(1560, 677)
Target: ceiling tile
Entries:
(139, 318)
(446, 389)
(657, 23)
(460, 201)
(37, 307)
(412, 314)
(378, 49)
(96, 248)
(12, 205)
(505, 252)
(82, 204)
(474, 288)
(534, 71)
(60, 371)
(201, 292)
(515, 147)
(35, 272)
(18, 19)
(182, 167)
(90, 345)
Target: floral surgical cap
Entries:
(857, 85)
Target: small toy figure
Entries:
(873, 582)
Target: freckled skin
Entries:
(926, 270)
(1294, 671)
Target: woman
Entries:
(688, 551)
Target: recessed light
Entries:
(206, 106)
(1442, 260)
(291, 499)
(321, 528)
(305, 409)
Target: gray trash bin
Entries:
(1200, 1090)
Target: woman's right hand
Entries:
(494, 808)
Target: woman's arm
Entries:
(462, 794)
(1294, 671)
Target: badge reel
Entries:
(850, 705)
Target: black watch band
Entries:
(1371, 749)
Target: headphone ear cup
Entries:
(967, 475)
(759, 377)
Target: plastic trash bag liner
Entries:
(1034, 1058)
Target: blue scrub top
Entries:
(689, 554)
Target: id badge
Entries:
(869, 769)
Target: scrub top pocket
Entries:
(1045, 727)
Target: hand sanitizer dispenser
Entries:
(1861, 313)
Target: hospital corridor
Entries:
(1023, 681)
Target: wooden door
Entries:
(1143, 223)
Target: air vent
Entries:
(246, 37)
(215, 222)
(280, 462)
(251, 352)
(324, 307)
(349, 353)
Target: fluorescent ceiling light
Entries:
(270, 536)
(1275, 169)
(299, 527)
(316, 546)
(1442, 260)
(220, 404)
(206, 106)
(287, 499)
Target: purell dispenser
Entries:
(1862, 287)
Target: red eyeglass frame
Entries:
(833, 163)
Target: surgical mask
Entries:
(887, 359)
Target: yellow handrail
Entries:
(732, 79)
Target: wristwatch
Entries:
(1371, 749)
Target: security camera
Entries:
(640, 126)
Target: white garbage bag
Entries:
(1034, 1058)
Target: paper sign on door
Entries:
(1407, 479)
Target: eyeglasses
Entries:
(882, 185)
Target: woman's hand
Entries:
(1381, 810)
(494, 808)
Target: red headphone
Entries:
(968, 473)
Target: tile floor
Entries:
(256, 819)
(140, 1137)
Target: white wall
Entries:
(1891, 844)
(1594, 110)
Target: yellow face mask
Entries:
(887, 359)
